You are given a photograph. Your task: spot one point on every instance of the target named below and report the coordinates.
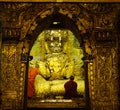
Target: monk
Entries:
(31, 78)
(70, 88)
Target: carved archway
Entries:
(66, 20)
(71, 12)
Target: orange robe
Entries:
(70, 89)
(31, 78)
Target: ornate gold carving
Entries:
(91, 80)
(99, 7)
(103, 85)
(104, 35)
(12, 34)
(102, 71)
(11, 76)
(9, 67)
(81, 18)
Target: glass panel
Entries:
(57, 55)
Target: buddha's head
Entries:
(56, 40)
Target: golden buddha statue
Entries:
(61, 59)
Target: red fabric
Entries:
(70, 89)
(31, 78)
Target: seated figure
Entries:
(58, 65)
(70, 88)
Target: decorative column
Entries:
(105, 84)
(0, 62)
(87, 61)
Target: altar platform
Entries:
(56, 103)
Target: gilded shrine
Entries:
(42, 44)
(60, 57)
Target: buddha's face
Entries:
(55, 45)
(55, 40)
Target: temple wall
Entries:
(19, 19)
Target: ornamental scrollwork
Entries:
(80, 17)
(99, 7)
(10, 70)
(105, 74)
